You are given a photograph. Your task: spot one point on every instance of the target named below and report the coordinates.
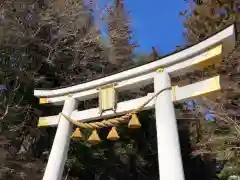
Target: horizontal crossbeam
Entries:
(212, 56)
(225, 37)
(192, 91)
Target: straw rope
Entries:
(115, 121)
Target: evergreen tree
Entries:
(219, 138)
(43, 44)
(48, 44)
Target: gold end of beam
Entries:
(43, 100)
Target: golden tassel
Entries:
(77, 135)
(94, 138)
(113, 134)
(134, 122)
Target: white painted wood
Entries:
(191, 91)
(202, 88)
(169, 154)
(226, 37)
(142, 80)
(122, 108)
(213, 55)
(170, 164)
(59, 151)
(93, 113)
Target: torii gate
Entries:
(207, 52)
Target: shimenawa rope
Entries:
(114, 121)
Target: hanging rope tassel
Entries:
(134, 122)
(113, 134)
(94, 138)
(77, 135)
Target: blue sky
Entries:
(155, 23)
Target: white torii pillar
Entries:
(169, 154)
(59, 151)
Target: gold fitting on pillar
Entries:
(134, 122)
(160, 70)
(70, 95)
(113, 134)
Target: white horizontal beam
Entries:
(178, 94)
(207, 87)
(211, 56)
(226, 37)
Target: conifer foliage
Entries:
(219, 138)
(53, 43)
(43, 44)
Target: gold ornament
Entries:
(77, 135)
(94, 138)
(113, 134)
(134, 122)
